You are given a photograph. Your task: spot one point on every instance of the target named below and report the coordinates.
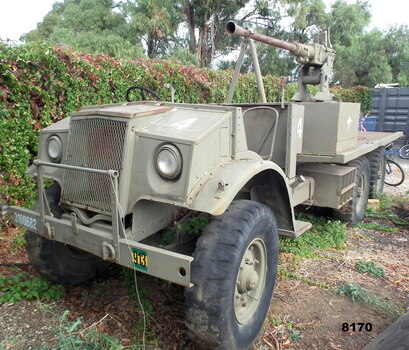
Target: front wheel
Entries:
(233, 272)
(57, 261)
(394, 173)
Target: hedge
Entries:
(41, 84)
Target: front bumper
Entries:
(108, 242)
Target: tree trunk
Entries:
(190, 20)
(201, 46)
(151, 45)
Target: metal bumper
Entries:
(112, 244)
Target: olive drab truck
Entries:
(124, 173)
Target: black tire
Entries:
(60, 262)
(394, 173)
(355, 210)
(220, 309)
(377, 162)
(404, 151)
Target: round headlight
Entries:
(168, 162)
(54, 149)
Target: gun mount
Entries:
(317, 60)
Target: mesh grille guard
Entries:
(95, 143)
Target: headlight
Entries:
(54, 148)
(168, 162)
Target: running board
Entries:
(300, 228)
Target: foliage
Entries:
(42, 84)
(193, 32)
(90, 26)
(23, 286)
(17, 243)
(192, 226)
(371, 268)
(359, 294)
(324, 234)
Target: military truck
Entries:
(124, 173)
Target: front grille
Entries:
(95, 143)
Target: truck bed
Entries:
(367, 142)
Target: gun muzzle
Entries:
(234, 29)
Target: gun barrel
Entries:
(234, 29)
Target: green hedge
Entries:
(41, 84)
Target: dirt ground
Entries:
(306, 313)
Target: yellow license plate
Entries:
(140, 259)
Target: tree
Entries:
(156, 22)
(209, 18)
(89, 26)
(396, 48)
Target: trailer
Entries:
(124, 173)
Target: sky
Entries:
(18, 17)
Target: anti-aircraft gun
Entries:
(317, 60)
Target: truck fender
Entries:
(262, 181)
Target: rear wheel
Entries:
(377, 162)
(355, 210)
(233, 272)
(60, 262)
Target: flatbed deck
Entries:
(367, 142)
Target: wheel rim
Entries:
(360, 199)
(250, 281)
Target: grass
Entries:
(371, 268)
(287, 274)
(72, 335)
(144, 306)
(325, 234)
(366, 297)
(375, 226)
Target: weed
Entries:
(371, 268)
(17, 243)
(324, 234)
(294, 336)
(375, 226)
(357, 293)
(401, 222)
(71, 335)
(25, 286)
(292, 329)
